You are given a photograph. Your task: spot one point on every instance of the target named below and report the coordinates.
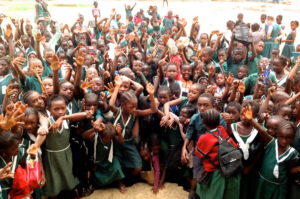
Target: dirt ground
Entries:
(141, 191)
(212, 15)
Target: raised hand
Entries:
(98, 126)
(8, 32)
(79, 59)
(110, 88)
(210, 89)
(118, 80)
(230, 79)
(241, 87)
(211, 70)
(272, 90)
(39, 37)
(227, 117)
(6, 172)
(119, 129)
(55, 64)
(247, 113)
(18, 62)
(236, 83)
(86, 85)
(118, 51)
(195, 20)
(150, 88)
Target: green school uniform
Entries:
(253, 65)
(127, 152)
(31, 83)
(288, 47)
(233, 67)
(294, 188)
(3, 86)
(272, 182)
(108, 168)
(58, 161)
(251, 80)
(271, 44)
(219, 187)
(168, 22)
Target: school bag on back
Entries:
(230, 158)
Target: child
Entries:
(58, 155)
(5, 76)
(233, 110)
(96, 10)
(107, 168)
(272, 182)
(279, 64)
(218, 186)
(127, 117)
(220, 83)
(168, 21)
(249, 142)
(289, 46)
(186, 82)
(272, 125)
(9, 147)
(128, 10)
(242, 72)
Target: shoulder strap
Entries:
(205, 156)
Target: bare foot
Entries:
(122, 187)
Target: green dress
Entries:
(3, 85)
(271, 44)
(289, 47)
(58, 161)
(219, 187)
(272, 182)
(108, 168)
(127, 152)
(31, 83)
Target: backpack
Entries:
(230, 158)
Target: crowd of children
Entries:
(140, 99)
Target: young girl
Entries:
(107, 168)
(279, 64)
(218, 186)
(9, 147)
(289, 46)
(58, 155)
(273, 173)
(249, 142)
(220, 83)
(186, 82)
(127, 117)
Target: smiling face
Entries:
(186, 71)
(31, 124)
(36, 101)
(130, 106)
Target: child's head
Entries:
(283, 110)
(36, 65)
(242, 72)
(259, 46)
(91, 72)
(255, 27)
(220, 79)
(9, 144)
(128, 102)
(25, 40)
(203, 39)
(108, 132)
(203, 81)
(34, 99)
(48, 85)
(222, 54)
(205, 102)
(48, 54)
(211, 118)
(144, 151)
(285, 134)
(207, 54)
(171, 71)
(186, 71)
(186, 112)
(95, 4)
(146, 70)
(125, 86)
(274, 53)
(66, 89)
(263, 18)
(270, 20)
(272, 124)
(57, 105)
(238, 54)
(234, 109)
(31, 121)
(98, 85)
(90, 102)
(16, 90)
(137, 66)
(4, 66)
(194, 92)
(294, 25)
(163, 94)
(230, 25)
(279, 63)
(175, 90)
(279, 19)
(240, 16)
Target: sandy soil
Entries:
(141, 191)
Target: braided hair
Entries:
(211, 118)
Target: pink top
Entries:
(96, 12)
